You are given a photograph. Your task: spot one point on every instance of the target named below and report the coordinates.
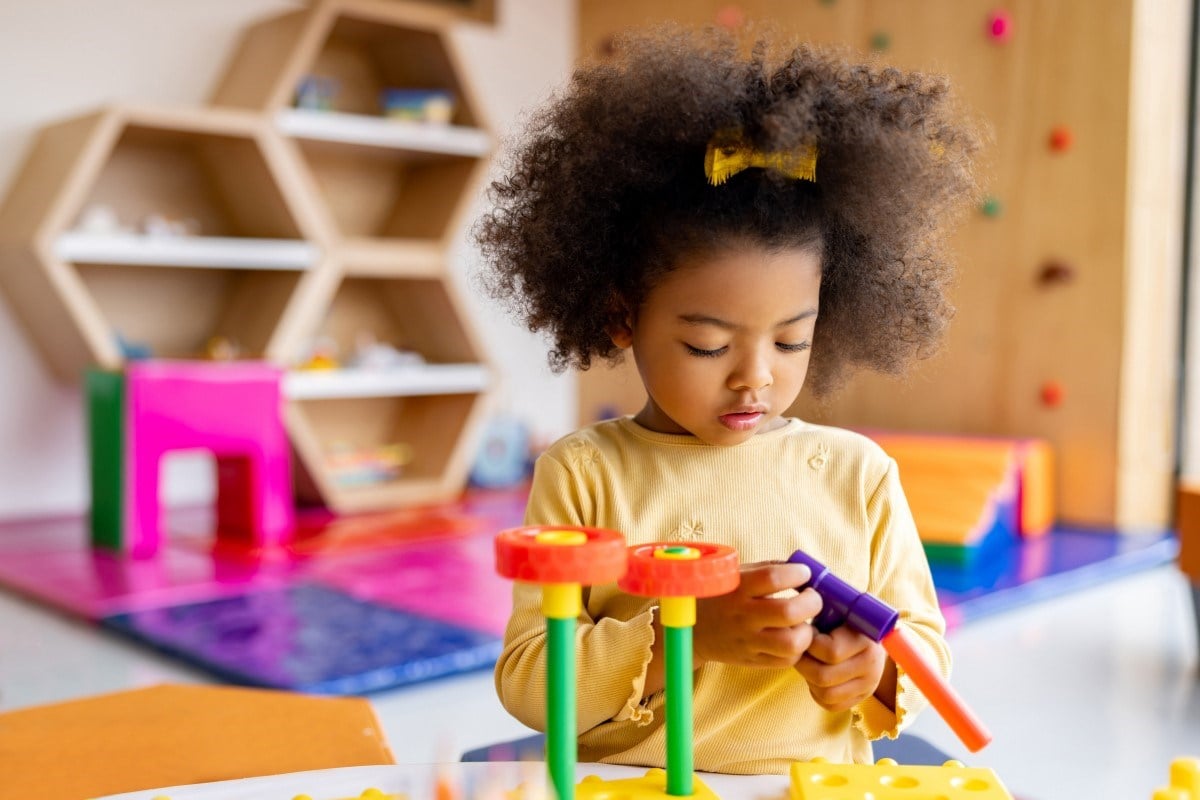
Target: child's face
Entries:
(722, 342)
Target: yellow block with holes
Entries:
(651, 786)
(887, 780)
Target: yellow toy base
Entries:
(651, 786)
(886, 780)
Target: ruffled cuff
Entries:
(635, 708)
(875, 720)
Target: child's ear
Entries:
(620, 325)
(620, 331)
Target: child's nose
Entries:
(751, 374)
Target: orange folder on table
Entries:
(170, 735)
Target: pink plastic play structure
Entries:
(234, 410)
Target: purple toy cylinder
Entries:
(842, 604)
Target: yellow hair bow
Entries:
(728, 155)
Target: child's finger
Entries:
(784, 612)
(840, 644)
(787, 644)
(760, 580)
(825, 676)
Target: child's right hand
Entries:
(748, 628)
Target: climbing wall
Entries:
(1067, 297)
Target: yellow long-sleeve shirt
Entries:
(831, 492)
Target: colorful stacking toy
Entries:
(678, 573)
(561, 560)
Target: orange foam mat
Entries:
(968, 474)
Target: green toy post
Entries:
(561, 560)
(678, 573)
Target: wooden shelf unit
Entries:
(308, 223)
(378, 178)
(392, 194)
(223, 171)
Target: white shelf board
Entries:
(361, 129)
(423, 379)
(217, 252)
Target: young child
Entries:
(739, 224)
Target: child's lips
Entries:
(741, 420)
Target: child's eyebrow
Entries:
(705, 319)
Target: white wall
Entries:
(59, 58)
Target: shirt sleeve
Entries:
(900, 577)
(612, 653)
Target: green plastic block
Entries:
(106, 440)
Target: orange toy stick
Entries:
(941, 695)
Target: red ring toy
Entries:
(715, 572)
(521, 557)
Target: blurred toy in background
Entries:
(418, 105)
(370, 353)
(132, 351)
(222, 348)
(322, 354)
(316, 93)
(352, 465)
(160, 224)
(101, 219)
(503, 459)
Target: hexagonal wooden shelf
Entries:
(394, 189)
(83, 290)
(312, 223)
(431, 410)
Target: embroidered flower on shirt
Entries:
(584, 455)
(691, 529)
(821, 458)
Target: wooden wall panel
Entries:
(1110, 207)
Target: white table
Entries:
(417, 781)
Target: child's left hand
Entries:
(842, 667)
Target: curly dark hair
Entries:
(607, 192)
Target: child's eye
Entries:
(792, 348)
(696, 351)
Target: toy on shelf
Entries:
(1185, 781)
(678, 573)
(322, 354)
(887, 780)
(561, 560)
(365, 466)
(316, 93)
(133, 351)
(137, 416)
(842, 604)
(222, 348)
(101, 218)
(432, 106)
(370, 353)
(160, 224)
